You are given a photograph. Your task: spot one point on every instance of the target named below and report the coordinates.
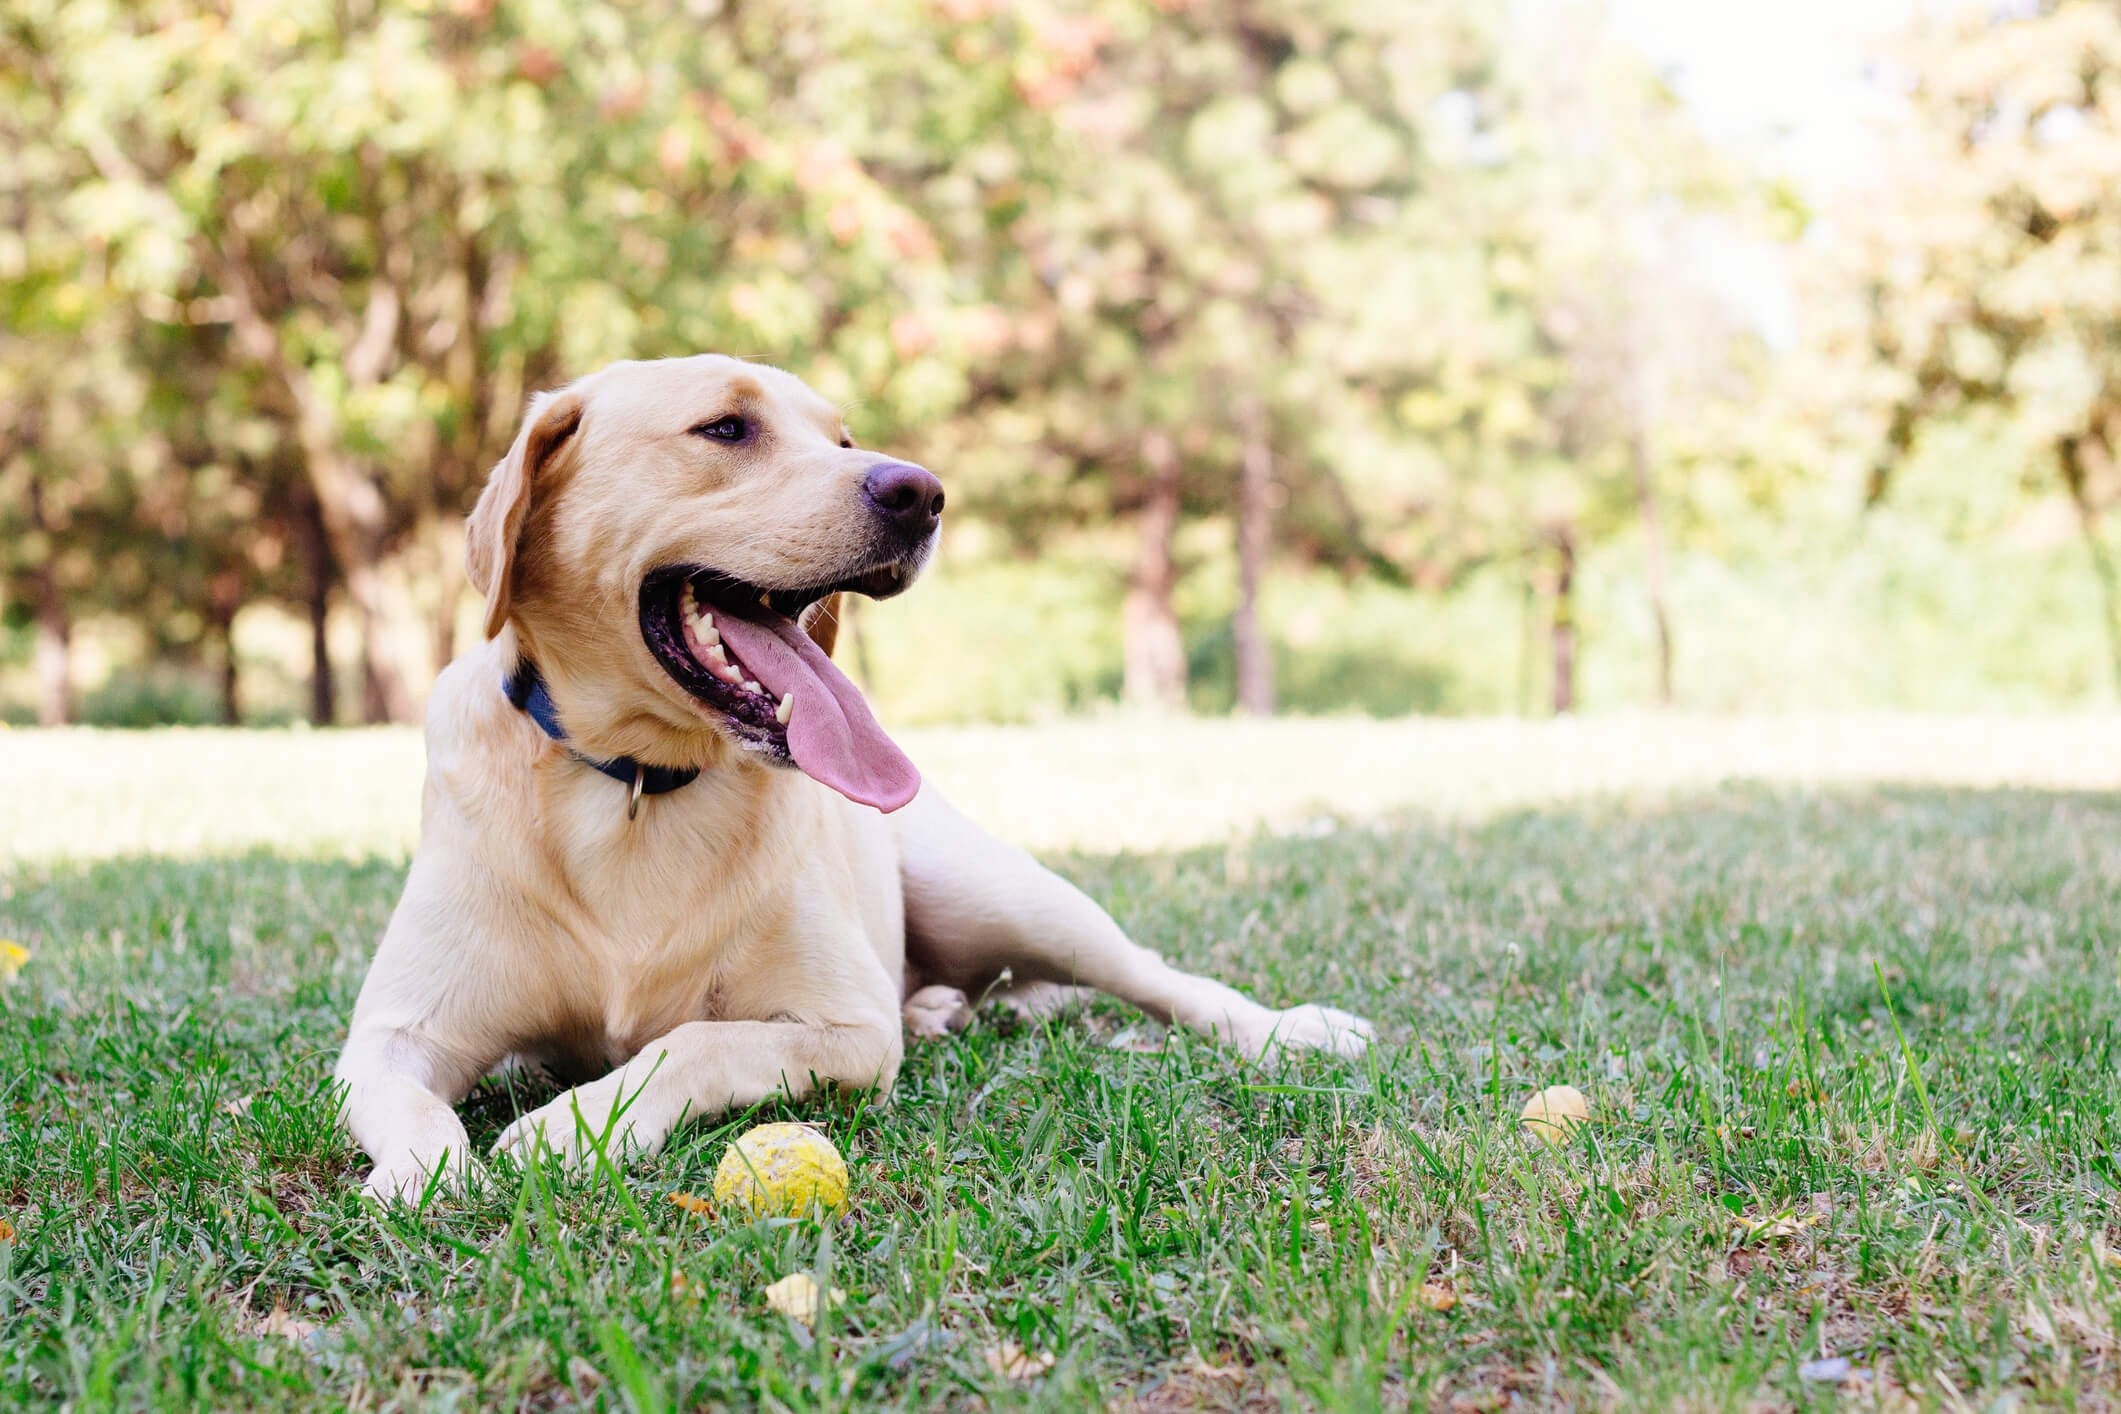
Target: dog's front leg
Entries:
(441, 1005)
(703, 1068)
(398, 1107)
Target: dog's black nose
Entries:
(906, 496)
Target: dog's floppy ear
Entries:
(496, 523)
(822, 623)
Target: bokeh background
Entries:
(1313, 356)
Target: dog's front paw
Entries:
(1317, 1028)
(584, 1122)
(411, 1179)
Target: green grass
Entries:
(1885, 1014)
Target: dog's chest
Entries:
(666, 909)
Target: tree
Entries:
(1559, 333)
(1252, 282)
(1984, 265)
(392, 224)
(1220, 166)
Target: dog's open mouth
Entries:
(740, 651)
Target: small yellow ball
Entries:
(782, 1171)
(1554, 1113)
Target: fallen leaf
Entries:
(285, 1326)
(694, 1204)
(7, 1230)
(12, 957)
(1479, 1402)
(797, 1297)
(1781, 1225)
(1012, 1361)
(684, 1288)
(1438, 1297)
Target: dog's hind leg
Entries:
(976, 907)
(1035, 1001)
(936, 1011)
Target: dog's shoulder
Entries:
(478, 745)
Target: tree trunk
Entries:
(1528, 644)
(2072, 453)
(54, 654)
(384, 694)
(231, 700)
(316, 554)
(1562, 627)
(55, 632)
(350, 506)
(224, 596)
(1255, 663)
(1154, 651)
(55, 676)
(448, 539)
(351, 509)
(1653, 557)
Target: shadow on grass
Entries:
(247, 967)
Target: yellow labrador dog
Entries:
(665, 848)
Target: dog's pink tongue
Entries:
(831, 733)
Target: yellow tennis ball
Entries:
(1556, 1111)
(782, 1171)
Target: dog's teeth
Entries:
(765, 600)
(750, 686)
(787, 706)
(708, 633)
(719, 654)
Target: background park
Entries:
(1580, 532)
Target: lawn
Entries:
(1847, 1029)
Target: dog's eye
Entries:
(724, 429)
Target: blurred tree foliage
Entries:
(1205, 292)
(1988, 271)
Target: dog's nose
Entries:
(907, 496)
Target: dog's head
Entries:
(669, 540)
